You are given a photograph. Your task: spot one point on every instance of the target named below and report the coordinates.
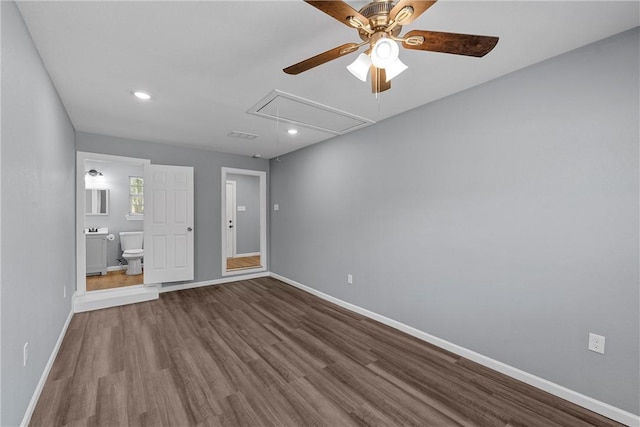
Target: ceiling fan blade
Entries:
(418, 6)
(457, 44)
(379, 81)
(320, 59)
(339, 10)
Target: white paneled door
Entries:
(230, 219)
(168, 223)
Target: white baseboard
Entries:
(96, 300)
(572, 396)
(43, 378)
(230, 279)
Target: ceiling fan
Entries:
(379, 24)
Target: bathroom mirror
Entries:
(244, 221)
(96, 201)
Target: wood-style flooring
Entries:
(240, 263)
(262, 353)
(113, 279)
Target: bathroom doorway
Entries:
(112, 193)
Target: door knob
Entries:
(189, 229)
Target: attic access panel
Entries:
(289, 108)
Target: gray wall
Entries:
(247, 221)
(503, 219)
(38, 215)
(116, 179)
(207, 185)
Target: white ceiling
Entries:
(207, 63)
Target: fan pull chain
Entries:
(378, 93)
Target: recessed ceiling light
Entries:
(292, 131)
(142, 95)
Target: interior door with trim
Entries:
(230, 219)
(168, 223)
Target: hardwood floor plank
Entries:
(352, 348)
(283, 398)
(262, 353)
(297, 356)
(240, 263)
(200, 398)
(280, 364)
(332, 414)
(148, 419)
(85, 422)
(166, 399)
(314, 345)
(50, 410)
(386, 398)
(278, 317)
(80, 401)
(63, 366)
(366, 415)
(110, 399)
(113, 279)
(238, 412)
(461, 396)
(385, 335)
(546, 399)
(234, 341)
(269, 409)
(433, 403)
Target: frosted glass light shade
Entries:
(360, 67)
(394, 69)
(384, 53)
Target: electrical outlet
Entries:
(349, 279)
(596, 343)
(24, 354)
(276, 207)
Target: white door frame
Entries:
(263, 219)
(83, 300)
(81, 255)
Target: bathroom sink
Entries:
(95, 231)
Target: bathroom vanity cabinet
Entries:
(96, 253)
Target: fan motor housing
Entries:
(377, 12)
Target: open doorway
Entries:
(114, 241)
(243, 221)
(110, 222)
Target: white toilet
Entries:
(131, 242)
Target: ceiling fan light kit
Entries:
(395, 69)
(360, 67)
(384, 53)
(379, 24)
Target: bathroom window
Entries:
(136, 195)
